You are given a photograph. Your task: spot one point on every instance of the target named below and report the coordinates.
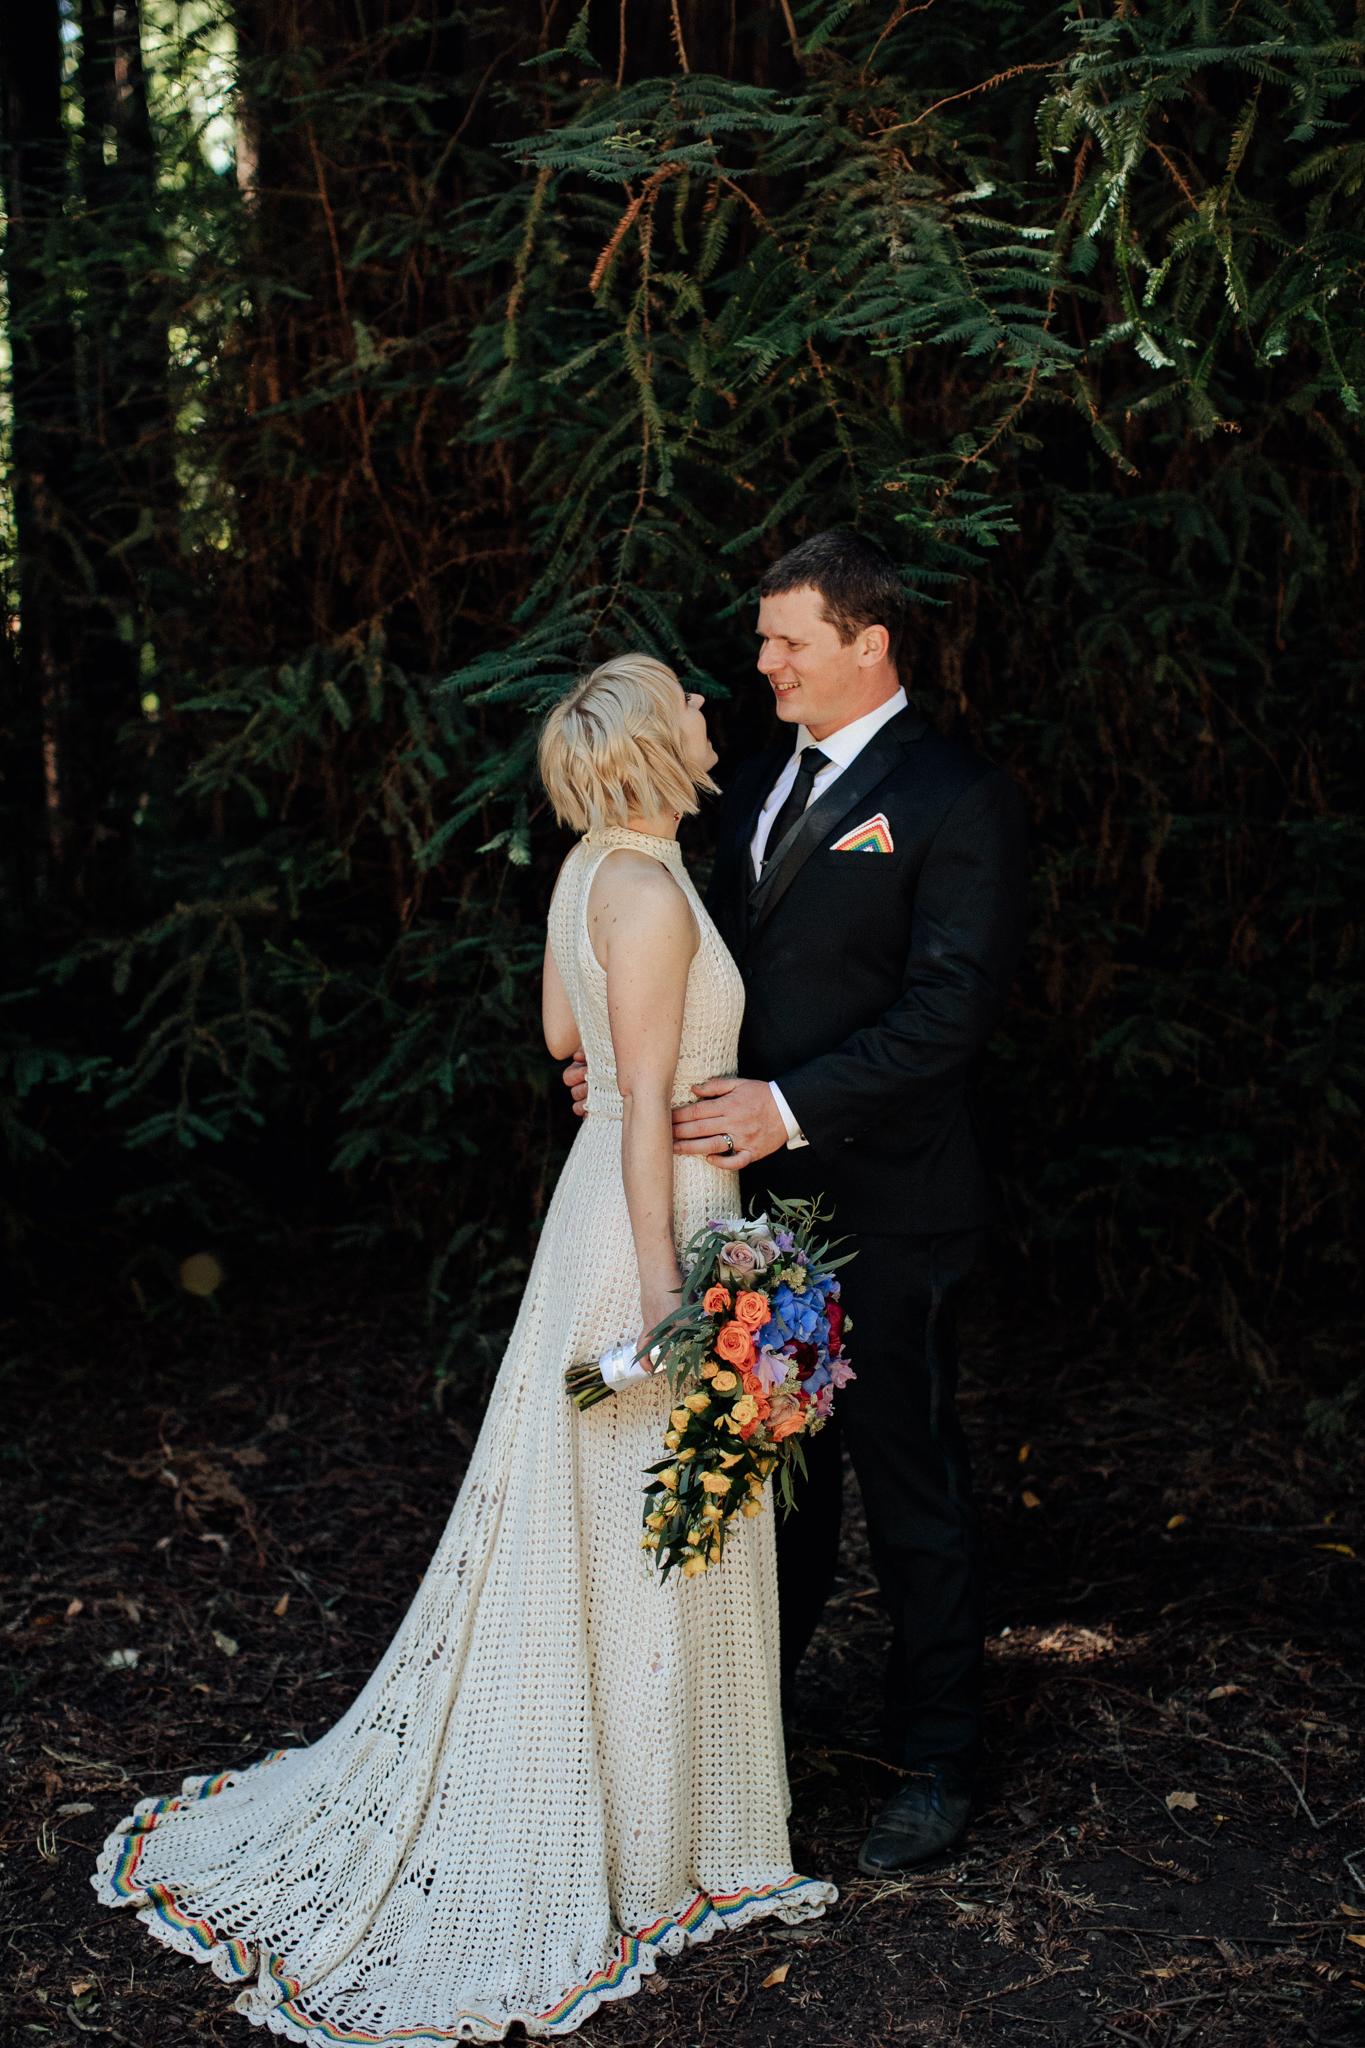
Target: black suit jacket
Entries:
(873, 980)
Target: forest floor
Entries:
(1169, 1844)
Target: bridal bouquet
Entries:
(754, 1354)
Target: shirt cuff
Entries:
(796, 1137)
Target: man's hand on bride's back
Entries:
(576, 1081)
(743, 1111)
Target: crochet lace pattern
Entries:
(562, 1769)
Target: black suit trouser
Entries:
(899, 1422)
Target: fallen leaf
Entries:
(1223, 1692)
(74, 1609)
(76, 1806)
(1177, 1521)
(1353, 1912)
(250, 1456)
(1226, 1950)
(1341, 1549)
(1183, 1802)
(199, 1688)
(281, 1607)
(1024, 1450)
(130, 1608)
(82, 1984)
(779, 1975)
(1358, 1939)
(1030, 1500)
(227, 1644)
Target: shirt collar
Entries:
(842, 748)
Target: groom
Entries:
(870, 881)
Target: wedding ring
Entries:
(729, 1145)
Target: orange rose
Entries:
(734, 1344)
(716, 1300)
(753, 1311)
(752, 1383)
(786, 1425)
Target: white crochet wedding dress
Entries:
(562, 1768)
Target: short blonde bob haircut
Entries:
(612, 748)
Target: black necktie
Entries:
(809, 766)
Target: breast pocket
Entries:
(861, 870)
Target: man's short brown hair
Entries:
(858, 582)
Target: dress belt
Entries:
(607, 1102)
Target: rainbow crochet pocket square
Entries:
(874, 836)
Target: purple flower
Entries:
(771, 1367)
(841, 1372)
(824, 1401)
(784, 1239)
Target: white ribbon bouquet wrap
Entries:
(621, 1368)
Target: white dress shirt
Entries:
(841, 749)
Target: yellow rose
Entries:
(709, 1370)
(649, 1541)
(715, 1482)
(683, 1456)
(729, 1458)
(656, 1521)
(725, 1383)
(679, 1419)
(752, 1508)
(728, 1422)
(669, 1479)
(693, 1567)
(745, 1410)
(698, 1403)
(711, 1513)
(755, 1485)
(671, 1440)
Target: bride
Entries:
(563, 1767)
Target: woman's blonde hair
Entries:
(612, 747)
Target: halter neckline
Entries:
(642, 842)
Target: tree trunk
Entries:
(45, 428)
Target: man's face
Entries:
(816, 681)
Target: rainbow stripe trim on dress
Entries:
(159, 1903)
(872, 837)
(121, 1877)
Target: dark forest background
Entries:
(374, 367)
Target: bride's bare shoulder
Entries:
(635, 891)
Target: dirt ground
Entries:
(212, 1525)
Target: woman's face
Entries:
(700, 754)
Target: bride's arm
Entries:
(645, 935)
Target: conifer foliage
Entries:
(511, 338)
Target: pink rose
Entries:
(738, 1257)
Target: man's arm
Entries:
(971, 902)
(968, 933)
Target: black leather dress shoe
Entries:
(925, 1818)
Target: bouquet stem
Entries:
(586, 1385)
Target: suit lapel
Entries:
(881, 754)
